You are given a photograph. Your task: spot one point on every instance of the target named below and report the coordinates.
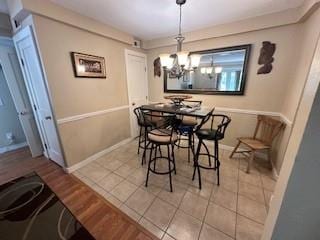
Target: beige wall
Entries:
(73, 96)
(304, 53)
(310, 32)
(262, 93)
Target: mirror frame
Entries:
(246, 47)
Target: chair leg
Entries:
(155, 158)
(196, 160)
(173, 159)
(149, 165)
(208, 152)
(169, 166)
(196, 167)
(145, 146)
(250, 161)
(139, 145)
(189, 145)
(235, 149)
(217, 161)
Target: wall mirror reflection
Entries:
(220, 71)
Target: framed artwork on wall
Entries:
(88, 66)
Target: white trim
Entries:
(246, 111)
(91, 114)
(96, 156)
(250, 112)
(13, 147)
(255, 112)
(285, 119)
(128, 52)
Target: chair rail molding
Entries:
(91, 114)
(255, 112)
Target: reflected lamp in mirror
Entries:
(216, 71)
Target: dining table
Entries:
(182, 110)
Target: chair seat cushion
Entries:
(189, 121)
(209, 134)
(253, 143)
(162, 136)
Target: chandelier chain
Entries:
(180, 21)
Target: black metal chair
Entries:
(187, 127)
(210, 134)
(143, 125)
(162, 134)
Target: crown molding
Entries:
(20, 9)
(287, 17)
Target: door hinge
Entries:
(22, 62)
(35, 107)
(46, 146)
(145, 69)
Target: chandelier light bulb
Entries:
(195, 60)
(182, 58)
(218, 70)
(166, 60)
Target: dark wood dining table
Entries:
(199, 112)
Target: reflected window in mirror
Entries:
(221, 71)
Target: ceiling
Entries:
(150, 19)
(3, 6)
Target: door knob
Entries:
(23, 113)
(133, 104)
(48, 118)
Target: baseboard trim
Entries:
(12, 147)
(96, 156)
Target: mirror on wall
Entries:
(221, 71)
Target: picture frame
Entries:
(88, 66)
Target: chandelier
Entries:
(177, 64)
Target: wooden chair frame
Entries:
(267, 129)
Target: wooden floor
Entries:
(98, 216)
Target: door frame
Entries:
(129, 52)
(21, 34)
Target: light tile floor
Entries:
(235, 210)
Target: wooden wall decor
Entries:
(266, 57)
(157, 67)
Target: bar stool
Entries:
(143, 125)
(164, 134)
(214, 135)
(187, 127)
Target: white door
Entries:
(13, 76)
(35, 82)
(136, 65)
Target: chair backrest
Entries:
(156, 121)
(138, 113)
(223, 122)
(204, 120)
(267, 129)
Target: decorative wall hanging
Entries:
(88, 66)
(266, 57)
(157, 67)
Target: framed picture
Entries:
(88, 66)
